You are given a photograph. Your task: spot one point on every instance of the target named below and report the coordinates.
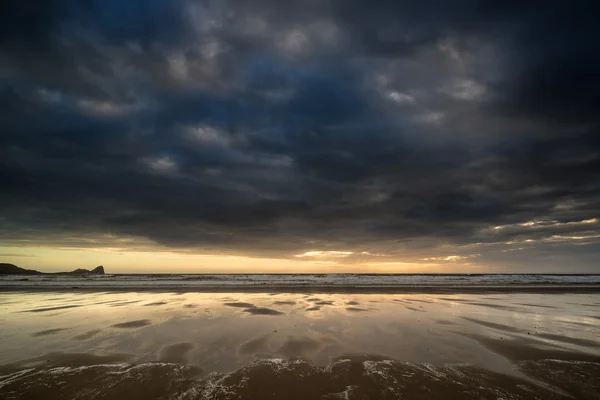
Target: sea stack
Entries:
(99, 270)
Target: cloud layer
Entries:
(379, 132)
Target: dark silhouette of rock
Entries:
(80, 271)
(99, 270)
(11, 269)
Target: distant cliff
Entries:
(80, 271)
(11, 269)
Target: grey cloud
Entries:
(269, 129)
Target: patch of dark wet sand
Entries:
(498, 306)
(584, 304)
(48, 332)
(577, 323)
(46, 315)
(314, 308)
(356, 309)
(567, 339)
(262, 311)
(414, 309)
(493, 325)
(535, 305)
(125, 303)
(255, 346)
(36, 310)
(299, 347)
(138, 323)
(175, 353)
(352, 379)
(444, 322)
(352, 303)
(422, 301)
(521, 350)
(313, 299)
(107, 302)
(87, 335)
(156, 303)
(239, 304)
(285, 303)
(190, 306)
(324, 303)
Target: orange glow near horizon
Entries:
(47, 259)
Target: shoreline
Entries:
(263, 288)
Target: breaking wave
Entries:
(346, 378)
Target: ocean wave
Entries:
(200, 281)
(345, 378)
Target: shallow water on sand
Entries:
(56, 345)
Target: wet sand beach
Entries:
(279, 344)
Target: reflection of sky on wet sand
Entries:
(223, 331)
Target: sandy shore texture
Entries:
(293, 345)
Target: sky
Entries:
(300, 136)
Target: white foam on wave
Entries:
(345, 395)
(570, 362)
(7, 379)
(387, 376)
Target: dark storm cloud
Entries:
(393, 130)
